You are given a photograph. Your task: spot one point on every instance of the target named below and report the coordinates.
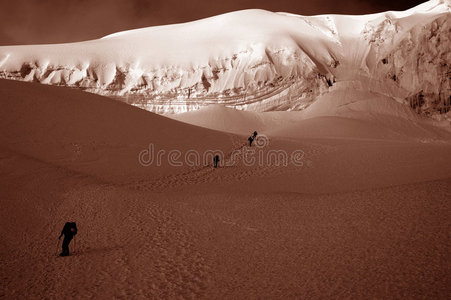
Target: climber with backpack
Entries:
(69, 231)
(250, 139)
(215, 161)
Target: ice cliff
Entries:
(255, 60)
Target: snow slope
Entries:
(255, 60)
(93, 135)
(361, 218)
(219, 117)
(341, 113)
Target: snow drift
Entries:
(255, 60)
(91, 134)
(366, 213)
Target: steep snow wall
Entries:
(255, 60)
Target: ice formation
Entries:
(256, 60)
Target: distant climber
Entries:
(216, 161)
(250, 139)
(254, 135)
(69, 231)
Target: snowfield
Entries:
(365, 215)
(255, 60)
(344, 194)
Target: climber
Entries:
(69, 231)
(250, 139)
(216, 161)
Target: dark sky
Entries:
(58, 21)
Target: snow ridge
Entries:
(255, 60)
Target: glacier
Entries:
(256, 60)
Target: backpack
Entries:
(70, 225)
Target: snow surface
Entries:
(367, 215)
(255, 60)
(351, 107)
